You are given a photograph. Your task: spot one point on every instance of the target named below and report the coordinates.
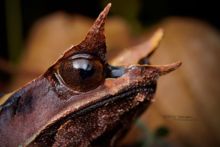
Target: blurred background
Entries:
(34, 33)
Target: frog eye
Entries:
(82, 73)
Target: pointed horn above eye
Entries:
(94, 42)
(96, 32)
(98, 25)
(95, 39)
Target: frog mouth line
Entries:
(130, 93)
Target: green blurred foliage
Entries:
(129, 10)
(14, 29)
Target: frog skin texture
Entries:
(82, 100)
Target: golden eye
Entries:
(82, 74)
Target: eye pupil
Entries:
(84, 67)
(82, 74)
